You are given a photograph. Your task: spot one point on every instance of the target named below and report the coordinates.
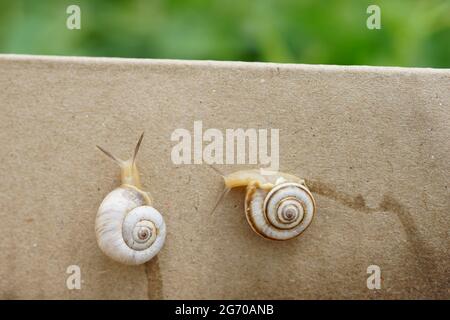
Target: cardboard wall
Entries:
(372, 143)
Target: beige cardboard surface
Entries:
(372, 143)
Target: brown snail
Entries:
(278, 206)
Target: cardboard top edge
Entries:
(217, 64)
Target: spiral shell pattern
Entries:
(282, 213)
(128, 229)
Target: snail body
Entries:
(128, 228)
(278, 206)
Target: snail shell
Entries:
(128, 229)
(278, 206)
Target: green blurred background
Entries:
(413, 33)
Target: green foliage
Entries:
(413, 33)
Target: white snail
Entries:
(128, 229)
(278, 206)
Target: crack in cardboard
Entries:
(417, 245)
(154, 280)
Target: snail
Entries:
(128, 229)
(278, 206)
